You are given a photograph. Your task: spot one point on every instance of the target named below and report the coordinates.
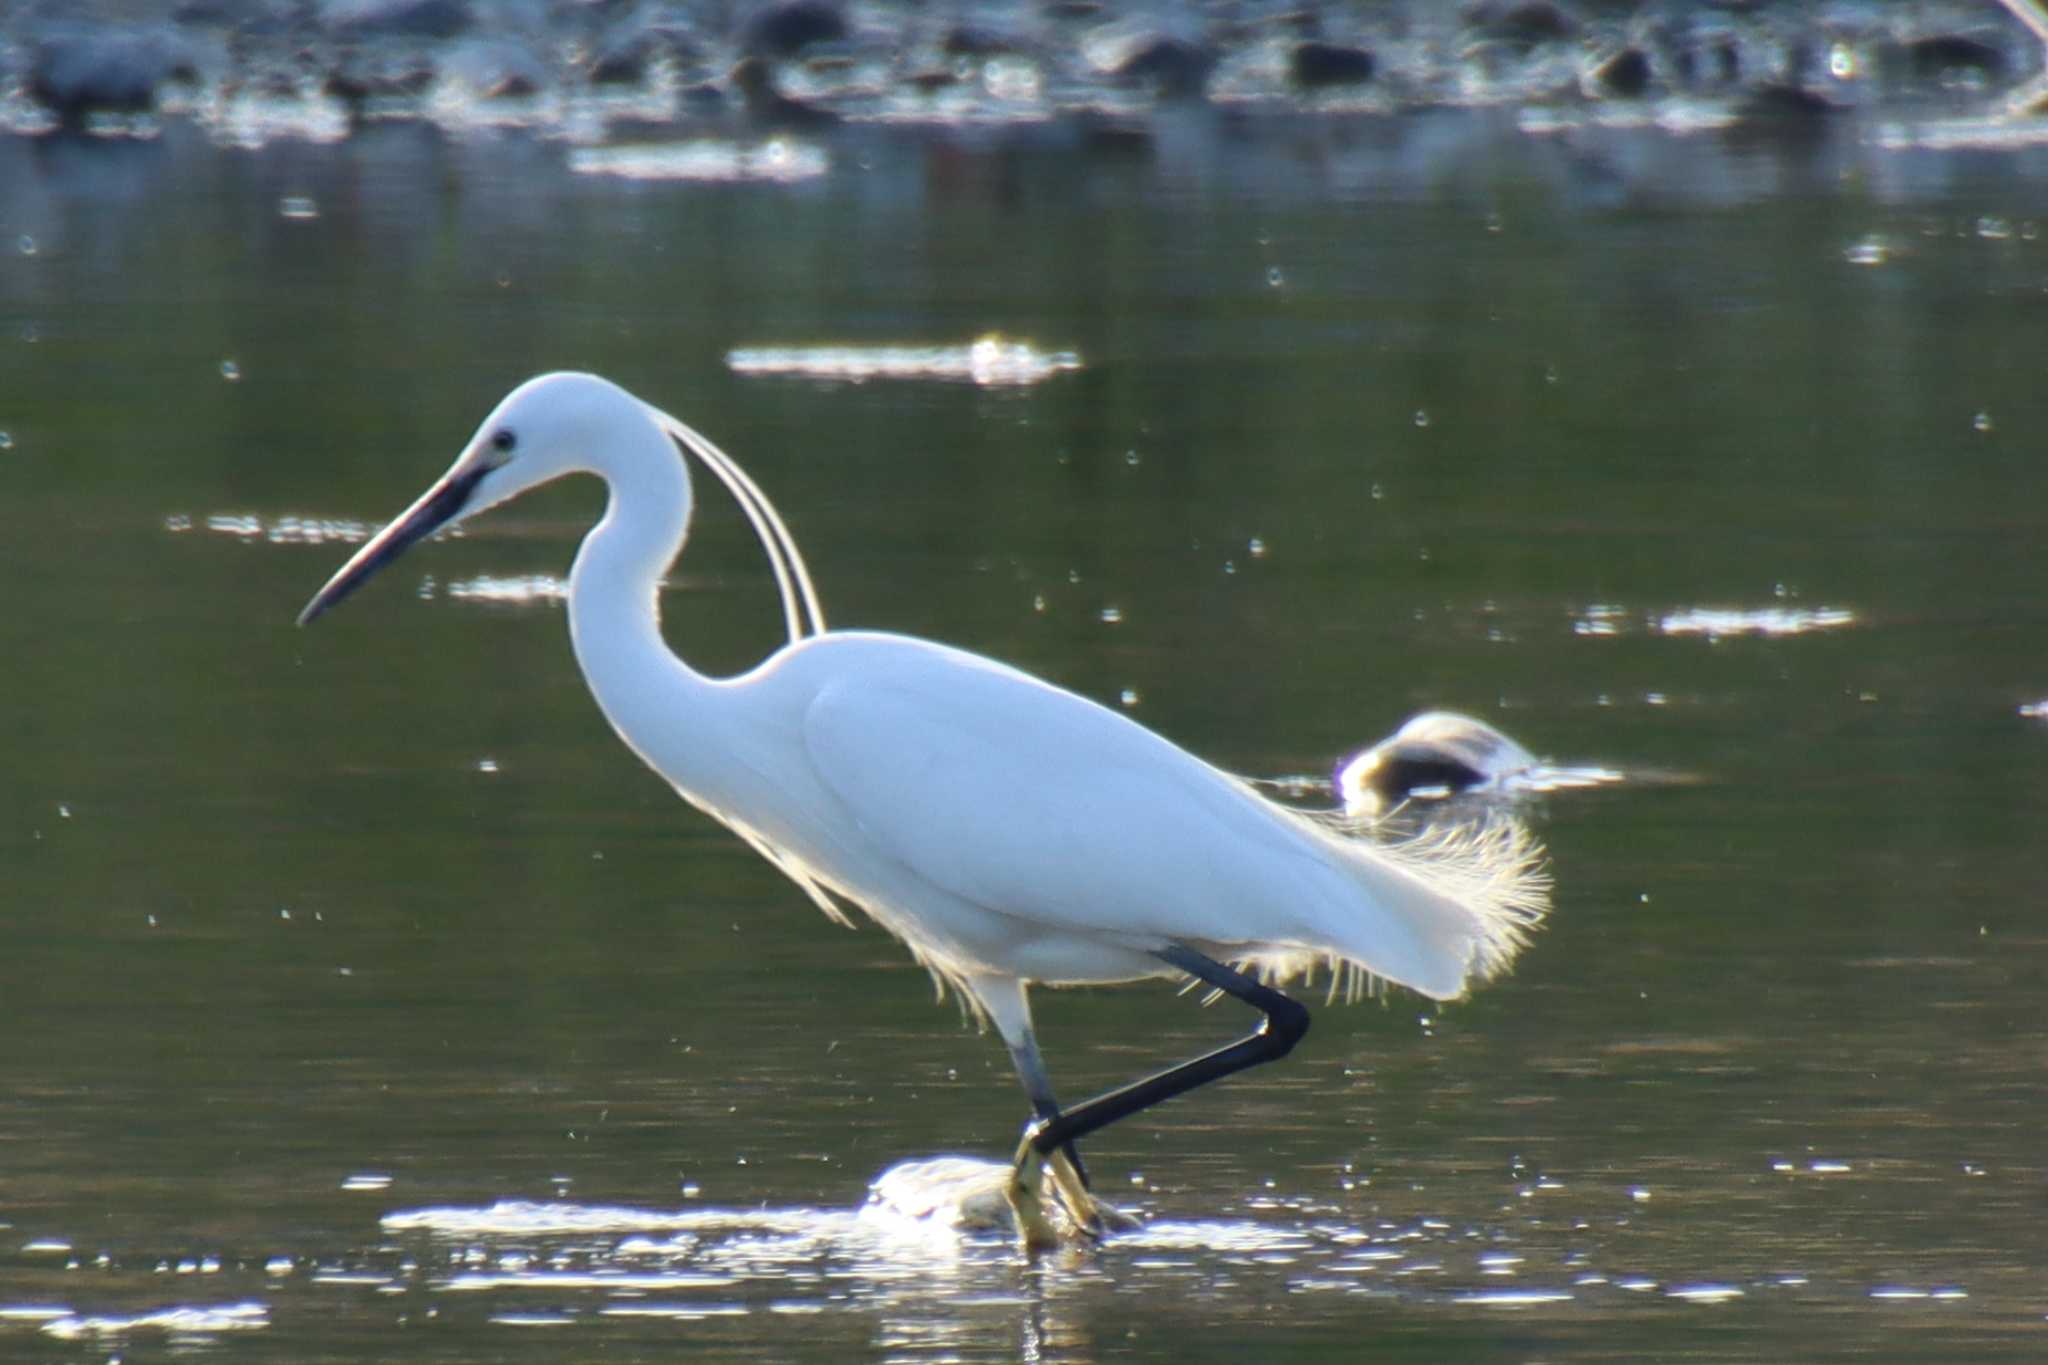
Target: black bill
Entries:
(433, 510)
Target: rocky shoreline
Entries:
(592, 70)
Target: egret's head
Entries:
(545, 428)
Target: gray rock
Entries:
(1315, 65)
(411, 18)
(786, 29)
(78, 70)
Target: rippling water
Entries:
(365, 999)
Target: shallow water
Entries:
(365, 998)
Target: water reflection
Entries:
(519, 590)
(1606, 620)
(991, 361)
(1718, 623)
(1566, 1252)
(187, 1326)
(566, 1262)
(775, 162)
(282, 530)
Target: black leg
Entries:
(1031, 1071)
(1285, 1023)
(1073, 1152)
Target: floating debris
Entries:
(990, 361)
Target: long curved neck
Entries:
(651, 697)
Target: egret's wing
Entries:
(1031, 801)
(1014, 796)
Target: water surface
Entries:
(365, 998)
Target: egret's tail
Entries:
(1438, 912)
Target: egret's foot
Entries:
(1025, 1191)
(1073, 1214)
(1090, 1214)
(1114, 1219)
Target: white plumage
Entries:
(1007, 830)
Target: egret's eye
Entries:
(504, 438)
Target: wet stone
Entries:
(1522, 26)
(623, 58)
(972, 40)
(496, 69)
(787, 29)
(1626, 73)
(1319, 65)
(1942, 55)
(360, 78)
(1174, 68)
(415, 18)
(82, 70)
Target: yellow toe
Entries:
(1025, 1192)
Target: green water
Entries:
(285, 909)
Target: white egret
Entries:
(1007, 831)
(1440, 754)
(1436, 753)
